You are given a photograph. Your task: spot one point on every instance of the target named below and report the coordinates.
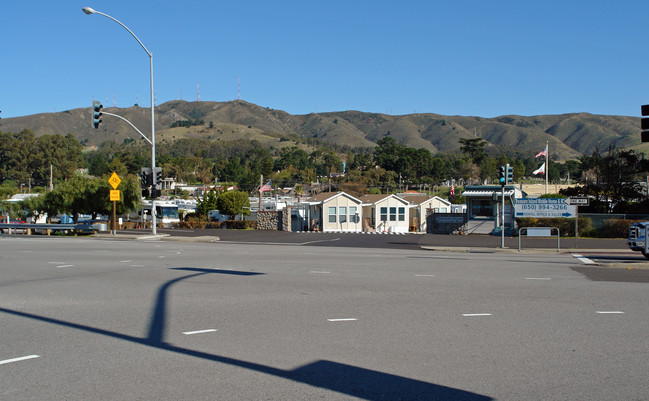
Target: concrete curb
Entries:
(204, 239)
(159, 237)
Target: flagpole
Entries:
(547, 150)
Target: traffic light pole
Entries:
(129, 123)
(89, 11)
(502, 218)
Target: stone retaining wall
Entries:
(279, 220)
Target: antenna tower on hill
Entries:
(198, 92)
(238, 88)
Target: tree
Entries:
(387, 153)
(207, 203)
(232, 203)
(474, 147)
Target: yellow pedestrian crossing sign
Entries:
(114, 180)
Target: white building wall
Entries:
(342, 214)
(395, 220)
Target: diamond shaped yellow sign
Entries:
(114, 180)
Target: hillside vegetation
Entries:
(569, 135)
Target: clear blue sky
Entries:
(478, 58)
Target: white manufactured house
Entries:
(334, 212)
(385, 213)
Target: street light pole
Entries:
(89, 11)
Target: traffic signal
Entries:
(145, 177)
(502, 175)
(644, 123)
(96, 113)
(155, 192)
(510, 174)
(158, 175)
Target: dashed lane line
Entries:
(22, 358)
(189, 333)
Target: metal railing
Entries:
(83, 227)
(538, 232)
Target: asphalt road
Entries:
(97, 319)
(405, 241)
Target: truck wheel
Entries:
(646, 255)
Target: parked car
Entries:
(215, 216)
(637, 239)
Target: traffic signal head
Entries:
(96, 113)
(502, 175)
(510, 174)
(145, 177)
(158, 175)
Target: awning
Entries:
(486, 194)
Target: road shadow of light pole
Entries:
(351, 380)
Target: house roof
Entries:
(325, 196)
(418, 199)
(371, 199)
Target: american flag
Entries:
(452, 191)
(265, 188)
(544, 152)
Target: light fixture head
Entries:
(88, 10)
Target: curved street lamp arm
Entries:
(129, 123)
(91, 11)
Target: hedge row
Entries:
(612, 228)
(566, 226)
(229, 224)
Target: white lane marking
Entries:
(347, 319)
(126, 261)
(537, 278)
(583, 259)
(319, 272)
(322, 240)
(161, 257)
(22, 358)
(476, 314)
(189, 333)
(610, 312)
(58, 267)
(424, 275)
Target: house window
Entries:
(332, 214)
(342, 214)
(402, 214)
(352, 214)
(384, 214)
(393, 214)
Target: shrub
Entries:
(241, 224)
(615, 228)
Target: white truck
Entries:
(638, 238)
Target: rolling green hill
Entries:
(569, 135)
